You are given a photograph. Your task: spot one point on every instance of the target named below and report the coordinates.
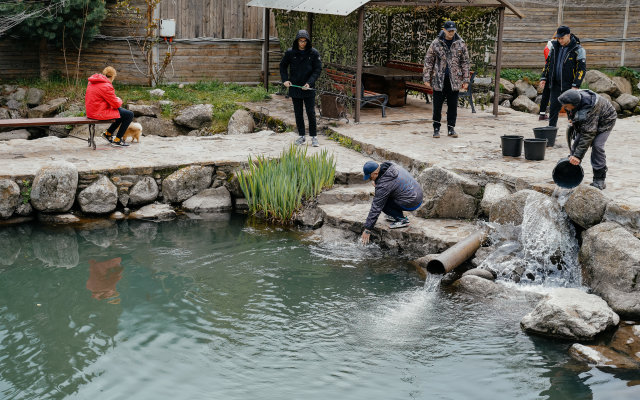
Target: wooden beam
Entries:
(456, 3)
(560, 12)
(496, 88)
(359, 63)
(266, 18)
(624, 34)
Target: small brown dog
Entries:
(133, 131)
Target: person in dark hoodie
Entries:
(592, 118)
(101, 103)
(396, 191)
(446, 71)
(299, 69)
(564, 69)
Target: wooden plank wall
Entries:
(18, 59)
(587, 21)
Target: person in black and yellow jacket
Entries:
(564, 70)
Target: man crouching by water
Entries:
(396, 191)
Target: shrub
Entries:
(513, 74)
(276, 188)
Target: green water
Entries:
(200, 309)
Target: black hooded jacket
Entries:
(301, 67)
(574, 65)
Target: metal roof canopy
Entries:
(346, 7)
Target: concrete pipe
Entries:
(456, 254)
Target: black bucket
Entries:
(511, 145)
(567, 175)
(534, 149)
(546, 132)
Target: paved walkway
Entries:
(406, 134)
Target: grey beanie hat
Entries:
(571, 96)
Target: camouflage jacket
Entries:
(588, 122)
(439, 56)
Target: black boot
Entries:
(599, 175)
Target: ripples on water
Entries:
(214, 309)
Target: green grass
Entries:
(276, 188)
(514, 74)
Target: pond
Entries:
(224, 309)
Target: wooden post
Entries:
(266, 16)
(43, 59)
(496, 89)
(155, 53)
(624, 33)
(359, 63)
(310, 25)
(560, 12)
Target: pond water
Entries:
(221, 309)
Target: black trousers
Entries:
(123, 122)
(546, 93)
(392, 209)
(555, 107)
(452, 104)
(309, 104)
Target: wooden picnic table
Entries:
(390, 81)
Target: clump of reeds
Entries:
(277, 187)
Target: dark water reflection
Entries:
(217, 309)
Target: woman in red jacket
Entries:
(102, 103)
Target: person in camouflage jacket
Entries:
(592, 118)
(446, 71)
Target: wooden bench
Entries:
(422, 88)
(25, 122)
(345, 83)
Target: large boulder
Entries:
(493, 194)
(48, 109)
(448, 195)
(34, 96)
(195, 117)
(186, 182)
(502, 97)
(610, 259)
(601, 83)
(525, 104)
(210, 200)
(586, 206)
(624, 214)
(309, 216)
(54, 187)
(627, 101)
(9, 197)
(155, 211)
(144, 191)
(160, 127)
(101, 197)
(507, 86)
(623, 84)
(570, 314)
(525, 88)
(144, 110)
(510, 209)
(241, 122)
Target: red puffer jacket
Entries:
(100, 100)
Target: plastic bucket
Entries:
(546, 132)
(511, 145)
(567, 175)
(534, 149)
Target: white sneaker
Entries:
(300, 140)
(314, 142)
(400, 223)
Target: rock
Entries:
(156, 92)
(623, 85)
(481, 273)
(17, 95)
(57, 248)
(48, 109)
(144, 191)
(570, 314)
(626, 215)
(506, 104)
(493, 193)
(482, 83)
(101, 197)
(346, 194)
(159, 127)
(233, 185)
(481, 287)
(186, 182)
(9, 197)
(154, 211)
(627, 101)
(309, 216)
(507, 86)
(538, 99)
(501, 98)
(195, 117)
(241, 205)
(448, 195)
(524, 88)
(14, 104)
(586, 206)
(147, 110)
(241, 122)
(616, 106)
(523, 103)
(24, 209)
(200, 132)
(58, 218)
(54, 187)
(209, 201)
(601, 356)
(601, 83)
(17, 134)
(511, 208)
(34, 96)
(610, 259)
(4, 113)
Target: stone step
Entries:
(347, 194)
(421, 237)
